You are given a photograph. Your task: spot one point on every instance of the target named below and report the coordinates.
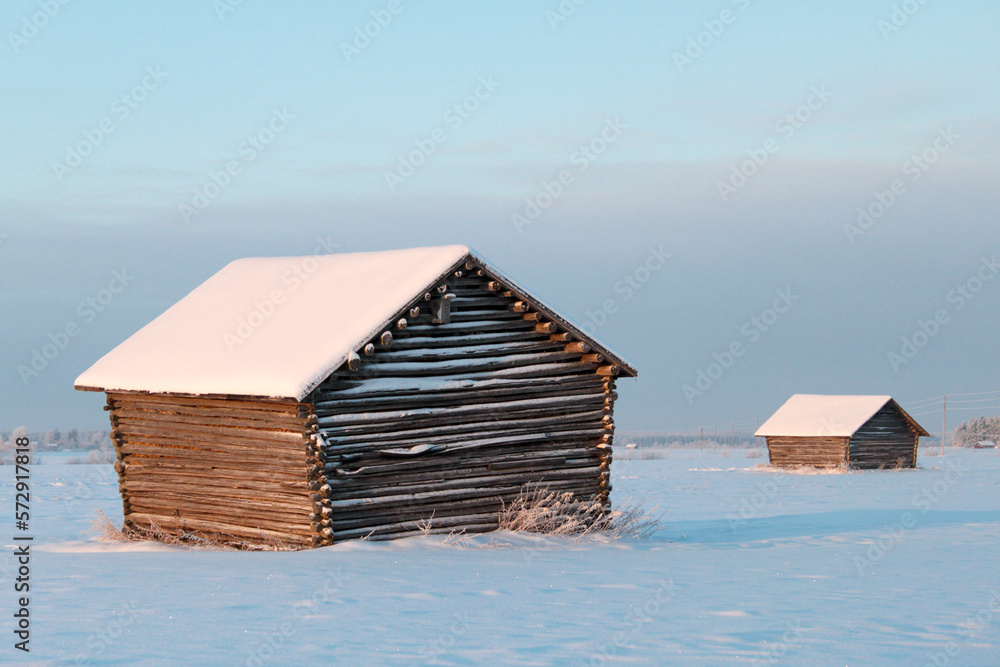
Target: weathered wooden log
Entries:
(251, 416)
(228, 433)
(480, 461)
(245, 490)
(480, 301)
(157, 468)
(148, 417)
(486, 423)
(468, 328)
(216, 528)
(262, 405)
(571, 454)
(458, 340)
(483, 315)
(461, 366)
(261, 517)
(424, 355)
(463, 441)
(353, 360)
(571, 387)
(570, 479)
(459, 433)
(346, 458)
(208, 508)
(457, 488)
(183, 446)
(507, 407)
(214, 455)
(370, 388)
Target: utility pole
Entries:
(944, 421)
(701, 437)
(732, 441)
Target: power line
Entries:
(924, 414)
(925, 400)
(981, 407)
(951, 406)
(925, 403)
(979, 400)
(980, 393)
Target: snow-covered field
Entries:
(751, 567)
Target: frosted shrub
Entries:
(540, 510)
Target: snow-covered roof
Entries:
(812, 415)
(278, 326)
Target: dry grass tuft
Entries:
(540, 510)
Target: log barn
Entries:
(295, 402)
(856, 431)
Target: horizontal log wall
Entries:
(494, 399)
(235, 471)
(885, 441)
(819, 452)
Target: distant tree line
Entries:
(55, 440)
(686, 440)
(977, 429)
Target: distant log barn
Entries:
(300, 401)
(857, 431)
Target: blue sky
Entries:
(221, 80)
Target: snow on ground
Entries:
(752, 567)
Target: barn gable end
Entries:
(889, 438)
(442, 427)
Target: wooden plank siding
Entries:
(799, 451)
(235, 471)
(494, 400)
(886, 440)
